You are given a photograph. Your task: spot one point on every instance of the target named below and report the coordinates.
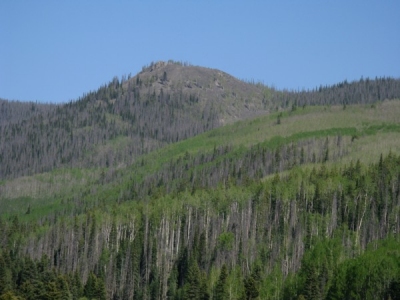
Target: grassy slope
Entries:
(373, 130)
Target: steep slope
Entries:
(164, 103)
(146, 199)
(249, 149)
(280, 204)
(232, 98)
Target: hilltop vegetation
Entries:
(184, 183)
(165, 103)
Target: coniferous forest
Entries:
(183, 182)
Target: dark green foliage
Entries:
(193, 283)
(154, 280)
(311, 287)
(173, 284)
(22, 278)
(373, 275)
(370, 276)
(9, 296)
(5, 280)
(204, 294)
(220, 292)
(251, 290)
(75, 285)
(95, 288)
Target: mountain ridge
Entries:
(207, 84)
(164, 103)
(134, 193)
(147, 111)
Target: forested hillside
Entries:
(183, 182)
(15, 111)
(290, 235)
(163, 104)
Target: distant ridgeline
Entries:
(364, 91)
(165, 103)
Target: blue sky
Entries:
(54, 51)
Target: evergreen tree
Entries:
(100, 292)
(9, 296)
(52, 292)
(95, 288)
(204, 294)
(90, 286)
(250, 286)
(311, 288)
(193, 285)
(338, 289)
(220, 288)
(4, 281)
(76, 287)
(172, 283)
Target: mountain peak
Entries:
(155, 66)
(236, 98)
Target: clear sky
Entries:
(55, 51)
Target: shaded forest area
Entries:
(298, 234)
